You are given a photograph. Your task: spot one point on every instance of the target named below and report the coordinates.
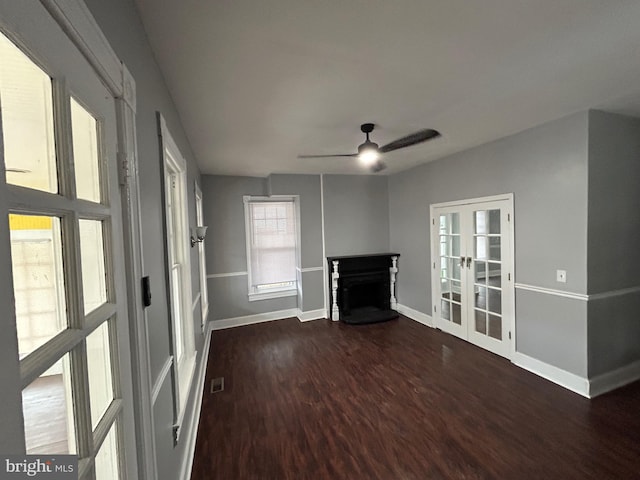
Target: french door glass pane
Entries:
(481, 321)
(27, 121)
(456, 313)
(480, 247)
(38, 281)
(455, 223)
(48, 412)
(495, 300)
(494, 248)
(84, 130)
(99, 365)
(107, 457)
(480, 222)
(494, 221)
(495, 326)
(92, 259)
(445, 308)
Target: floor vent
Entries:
(217, 385)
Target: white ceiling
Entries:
(257, 82)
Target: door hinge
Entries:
(509, 276)
(434, 309)
(433, 221)
(508, 217)
(434, 264)
(123, 169)
(509, 335)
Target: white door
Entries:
(472, 267)
(60, 199)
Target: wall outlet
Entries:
(561, 276)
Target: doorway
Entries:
(472, 271)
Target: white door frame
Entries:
(78, 23)
(509, 285)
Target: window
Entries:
(272, 240)
(178, 249)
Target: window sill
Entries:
(290, 292)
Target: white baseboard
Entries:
(616, 378)
(191, 434)
(415, 315)
(565, 379)
(251, 319)
(312, 315)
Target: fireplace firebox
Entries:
(363, 287)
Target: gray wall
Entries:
(123, 29)
(546, 169)
(613, 239)
(226, 248)
(356, 214)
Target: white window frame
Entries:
(202, 259)
(274, 292)
(184, 364)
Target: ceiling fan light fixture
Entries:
(368, 156)
(368, 153)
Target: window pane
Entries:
(38, 281)
(48, 412)
(27, 121)
(99, 365)
(84, 130)
(92, 259)
(494, 221)
(273, 244)
(480, 220)
(107, 457)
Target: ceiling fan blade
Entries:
(17, 170)
(414, 138)
(329, 156)
(378, 166)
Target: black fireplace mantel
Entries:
(363, 287)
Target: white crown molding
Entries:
(415, 315)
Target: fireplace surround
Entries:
(363, 287)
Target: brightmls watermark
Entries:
(51, 467)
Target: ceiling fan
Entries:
(369, 153)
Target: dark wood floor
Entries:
(398, 400)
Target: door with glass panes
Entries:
(59, 196)
(473, 270)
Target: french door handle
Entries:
(468, 262)
(461, 262)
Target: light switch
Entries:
(561, 276)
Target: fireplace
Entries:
(363, 287)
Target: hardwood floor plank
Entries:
(398, 400)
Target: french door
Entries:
(472, 266)
(61, 227)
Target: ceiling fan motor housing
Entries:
(368, 145)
